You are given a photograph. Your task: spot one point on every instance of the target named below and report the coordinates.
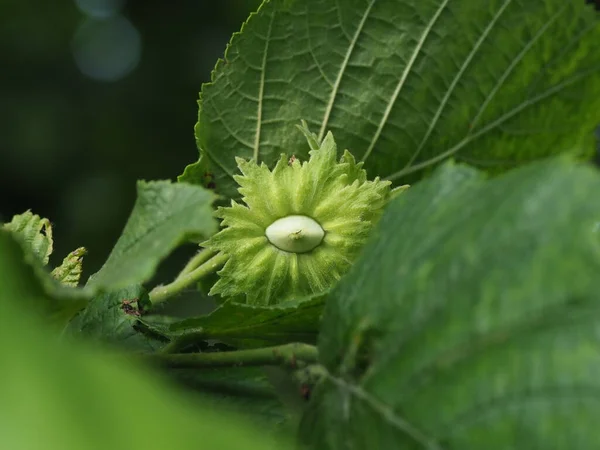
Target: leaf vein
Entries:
(496, 123)
(457, 78)
(403, 77)
(511, 67)
(340, 74)
(261, 89)
(386, 412)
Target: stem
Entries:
(199, 258)
(181, 342)
(161, 293)
(284, 355)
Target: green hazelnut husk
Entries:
(298, 227)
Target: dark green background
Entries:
(71, 148)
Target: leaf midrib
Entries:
(261, 90)
(386, 413)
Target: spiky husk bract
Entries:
(337, 195)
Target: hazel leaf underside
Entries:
(405, 85)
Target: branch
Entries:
(199, 258)
(161, 293)
(290, 355)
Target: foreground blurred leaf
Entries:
(405, 84)
(247, 326)
(57, 304)
(59, 395)
(164, 216)
(471, 322)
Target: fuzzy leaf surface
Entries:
(164, 216)
(471, 320)
(405, 84)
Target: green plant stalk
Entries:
(181, 342)
(288, 355)
(188, 338)
(161, 293)
(196, 261)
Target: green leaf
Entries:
(164, 216)
(69, 272)
(471, 322)
(248, 326)
(198, 173)
(406, 84)
(78, 397)
(114, 318)
(35, 231)
(244, 390)
(55, 303)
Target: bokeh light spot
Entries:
(107, 50)
(100, 9)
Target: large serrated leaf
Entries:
(248, 326)
(58, 395)
(405, 84)
(164, 216)
(471, 320)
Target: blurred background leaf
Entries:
(95, 94)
